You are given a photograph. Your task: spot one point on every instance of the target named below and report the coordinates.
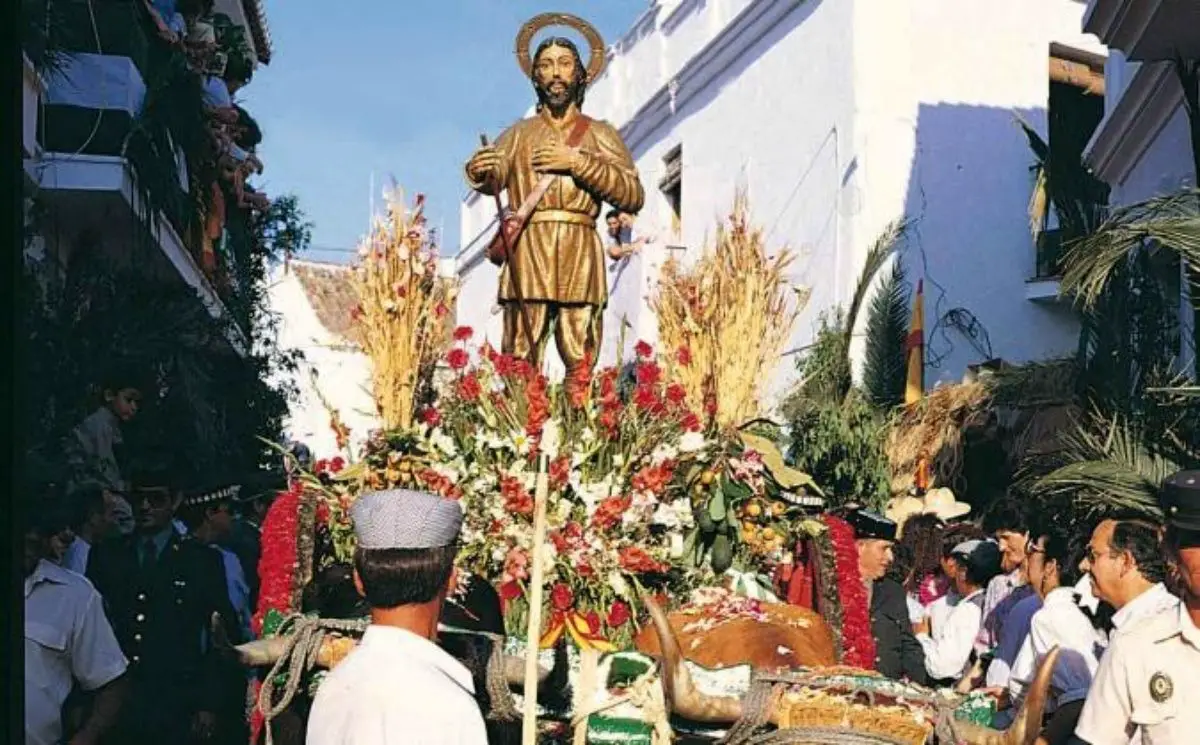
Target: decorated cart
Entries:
(660, 572)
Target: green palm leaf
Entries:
(884, 369)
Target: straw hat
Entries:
(899, 509)
(942, 502)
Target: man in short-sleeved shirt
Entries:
(1149, 676)
(67, 639)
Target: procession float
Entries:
(640, 564)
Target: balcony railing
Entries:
(118, 25)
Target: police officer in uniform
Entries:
(1149, 678)
(161, 590)
(898, 654)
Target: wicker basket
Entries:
(806, 707)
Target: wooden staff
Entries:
(537, 578)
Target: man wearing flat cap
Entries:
(948, 651)
(1150, 673)
(398, 686)
(897, 653)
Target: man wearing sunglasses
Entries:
(1124, 559)
(161, 589)
(1148, 678)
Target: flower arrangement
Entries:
(402, 307)
(725, 320)
(617, 510)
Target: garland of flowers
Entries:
(858, 643)
(828, 604)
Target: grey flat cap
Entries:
(399, 518)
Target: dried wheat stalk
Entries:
(733, 311)
(401, 305)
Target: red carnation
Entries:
(336, 464)
(634, 559)
(643, 350)
(676, 393)
(463, 333)
(648, 373)
(561, 598)
(690, 422)
(321, 466)
(646, 399)
(510, 590)
(469, 388)
(560, 472)
(618, 614)
(458, 358)
(593, 621)
(683, 355)
(431, 416)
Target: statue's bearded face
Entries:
(558, 76)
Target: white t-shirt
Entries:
(396, 688)
(948, 650)
(1059, 623)
(67, 639)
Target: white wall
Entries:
(839, 116)
(344, 376)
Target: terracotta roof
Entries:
(257, 18)
(331, 295)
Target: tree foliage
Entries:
(884, 369)
(205, 406)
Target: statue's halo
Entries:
(598, 54)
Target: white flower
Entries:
(443, 442)
(551, 438)
(691, 442)
(520, 442)
(549, 553)
(663, 452)
(618, 584)
(666, 516)
(587, 435)
(564, 510)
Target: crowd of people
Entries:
(129, 582)
(978, 607)
(124, 575)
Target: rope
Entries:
(299, 656)
(756, 710)
(502, 709)
(822, 736)
(646, 694)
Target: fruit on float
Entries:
(707, 478)
(722, 554)
(754, 509)
(769, 534)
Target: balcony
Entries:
(1146, 30)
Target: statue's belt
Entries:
(574, 218)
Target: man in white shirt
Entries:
(68, 640)
(948, 654)
(1125, 563)
(398, 686)
(1053, 572)
(1149, 676)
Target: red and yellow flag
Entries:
(914, 349)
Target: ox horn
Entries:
(257, 653)
(1028, 723)
(680, 692)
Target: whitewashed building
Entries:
(838, 117)
(315, 302)
(1143, 147)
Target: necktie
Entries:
(149, 553)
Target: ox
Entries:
(685, 700)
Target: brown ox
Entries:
(683, 698)
(782, 636)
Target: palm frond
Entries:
(1110, 467)
(1172, 222)
(877, 257)
(884, 369)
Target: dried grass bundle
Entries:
(402, 302)
(935, 426)
(732, 312)
(816, 709)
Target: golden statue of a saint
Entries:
(552, 279)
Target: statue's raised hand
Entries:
(484, 165)
(554, 157)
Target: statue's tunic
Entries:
(558, 257)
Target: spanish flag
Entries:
(914, 349)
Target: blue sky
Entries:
(356, 87)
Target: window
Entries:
(671, 186)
